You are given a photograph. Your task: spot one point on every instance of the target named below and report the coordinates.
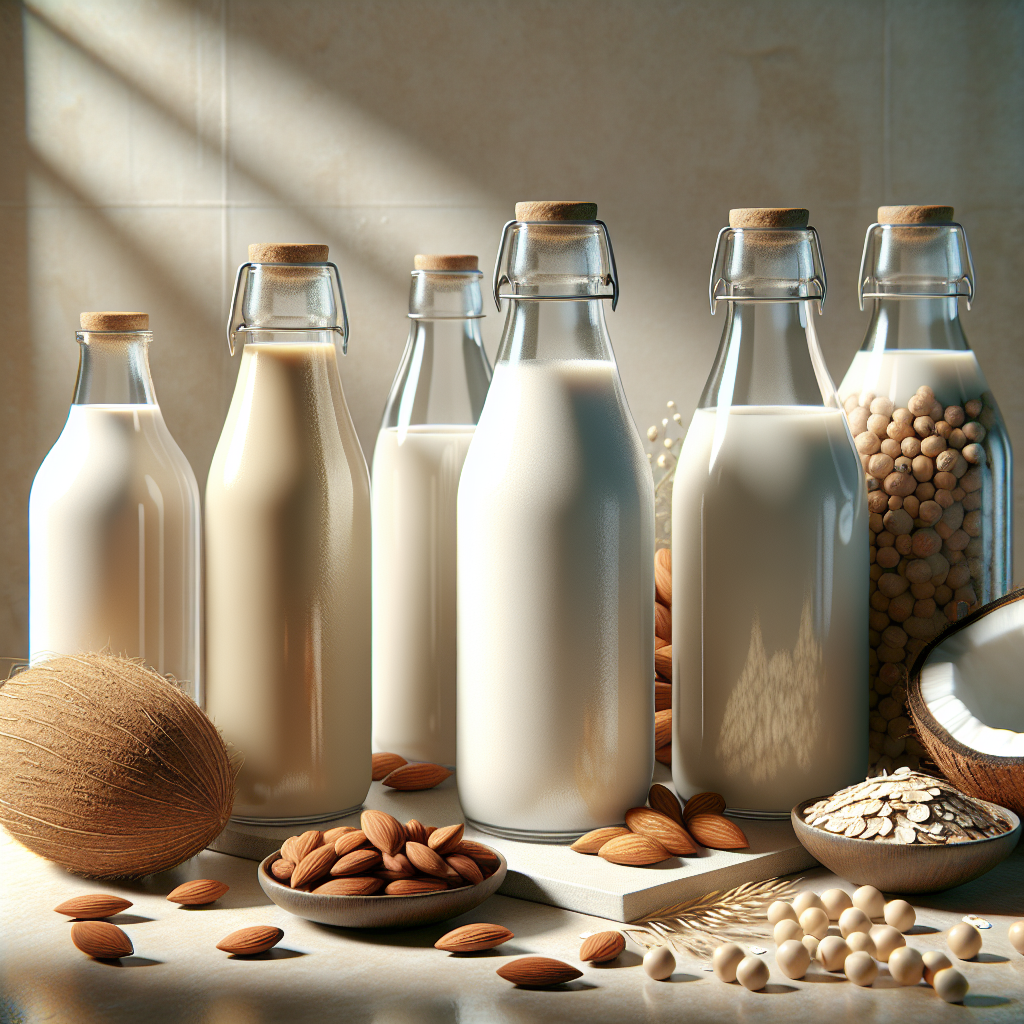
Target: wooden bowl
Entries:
(905, 869)
(379, 911)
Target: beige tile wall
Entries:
(144, 144)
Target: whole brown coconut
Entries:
(108, 769)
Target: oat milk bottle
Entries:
(288, 551)
(935, 453)
(556, 552)
(114, 517)
(428, 423)
(769, 541)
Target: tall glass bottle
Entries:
(114, 517)
(769, 537)
(428, 423)
(555, 553)
(935, 453)
(288, 551)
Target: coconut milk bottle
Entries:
(288, 551)
(114, 518)
(769, 537)
(555, 553)
(428, 424)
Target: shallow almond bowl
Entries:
(379, 911)
(892, 867)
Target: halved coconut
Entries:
(966, 697)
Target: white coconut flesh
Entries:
(973, 683)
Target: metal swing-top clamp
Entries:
(500, 278)
(237, 324)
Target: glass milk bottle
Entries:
(935, 453)
(288, 551)
(555, 552)
(769, 538)
(114, 517)
(428, 423)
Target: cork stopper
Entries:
(108, 321)
(915, 214)
(440, 262)
(556, 210)
(769, 217)
(287, 252)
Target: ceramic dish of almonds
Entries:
(381, 875)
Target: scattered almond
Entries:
(703, 803)
(662, 696)
(662, 621)
(649, 822)
(446, 840)
(663, 755)
(332, 835)
(356, 863)
(415, 831)
(538, 972)
(350, 841)
(469, 938)
(283, 870)
(466, 867)
(101, 939)
(663, 576)
(633, 849)
(661, 798)
(384, 831)
(385, 763)
(197, 893)
(93, 907)
(663, 661)
(662, 728)
(416, 776)
(314, 865)
(593, 841)
(295, 848)
(602, 947)
(426, 860)
(249, 941)
(717, 832)
(357, 886)
(414, 886)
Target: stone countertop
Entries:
(320, 974)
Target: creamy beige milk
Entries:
(288, 587)
(954, 376)
(416, 473)
(114, 543)
(769, 608)
(556, 604)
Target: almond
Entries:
(101, 939)
(416, 776)
(658, 642)
(466, 867)
(384, 831)
(703, 803)
(593, 841)
(663, 661)
(356, 863)
(93, 907)
(332, 835)
(295, 848)
(350, 841)
(648, 822)
(415, 831)
(469, 938)
(633, 849)
(664, 800)
(314, 865)
(663, 576)
(662, 621)
(282, 870)
(663, 755)
(662, 728)
(426, 860)
(446, 840)
(601, 947)
(717, 832)
(398, 866)
(483, 855)
(662, 696)
(385, 763)
(414, 886)
(198, 892)
(257, 938)
(538, 972)
(357, 886)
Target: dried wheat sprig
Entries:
(697, 926)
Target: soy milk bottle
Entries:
(114, 517)
(769, 543)
(555, 553)
(288, 551)
(428, 424)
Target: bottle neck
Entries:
(915, 323)
(113, 369)
(769, 356)
(555, 330)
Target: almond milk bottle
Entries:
(288, 551)
(114, 518)
(769, 542)
(428, 424)
(555, 553)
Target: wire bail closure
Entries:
(500, 278)
(236, 321)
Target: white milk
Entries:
(954, 376)
(556, 585)
(416, 473)
(770, 603)
(114, 543)
(288, 587)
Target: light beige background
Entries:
(144, 144)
